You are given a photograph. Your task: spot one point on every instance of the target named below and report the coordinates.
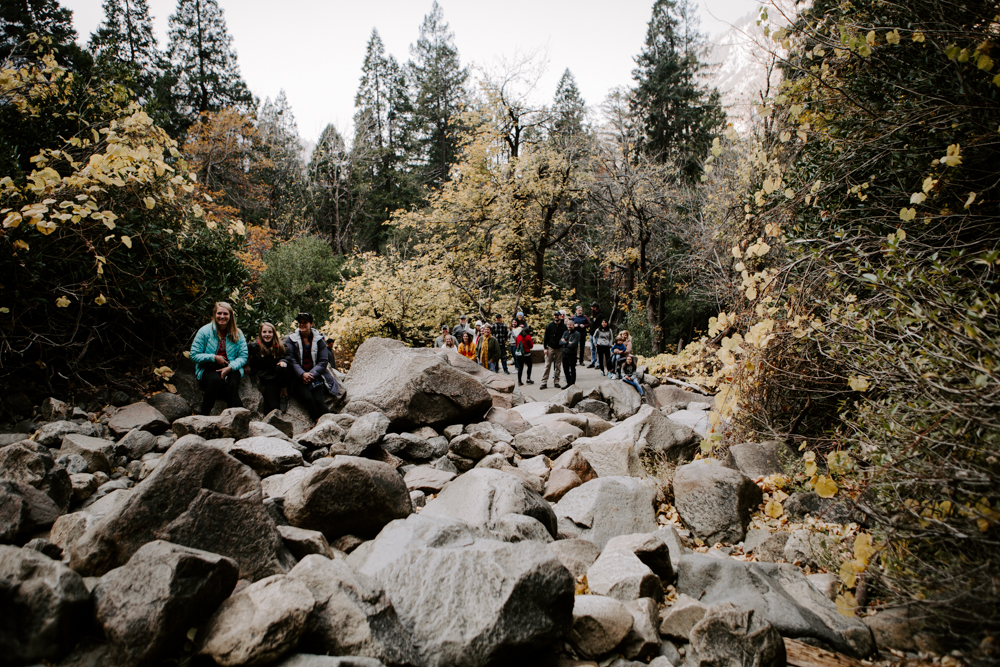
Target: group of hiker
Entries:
(301, 363)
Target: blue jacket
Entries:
(206, 342)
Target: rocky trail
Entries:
(439, 517)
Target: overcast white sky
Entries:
(313, 49)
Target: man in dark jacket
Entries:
(502, 334)
(582, 322)
(596, 315)
(309, 358)
(570, 341)
(553, 353)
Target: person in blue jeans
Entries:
(628, 374)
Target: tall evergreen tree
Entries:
(438, 80)
(280, 135)
(45, 18)
(124, 42)
(201, 51)
(569, 111)
(381, 140)
(681, 116)
(333, 206)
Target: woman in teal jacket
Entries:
(219, 352)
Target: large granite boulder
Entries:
(466, 600)
(147, 606)
(267, 456)
(607, 507)
(622, 398)
(139, 415)
(414, 386)
(715, 502)
(755, 459)
(599, 624)
(484, 498)
(199, 497)
(353, 615)
(32, 464)
(44, 607)
(778, 594)
(259, 624)
(729, 635)
(351, 496)
(550, 439)
(23, 510)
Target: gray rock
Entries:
(648, 548)
(51, 434)
(327, 434)
(74, 463)
(197, 497)
(518, 528)
(444, 463)
(732, 637)
(577, 555)
(620, 575)
(343, 419)
(365, 431)
(200, 425)
(414, 385)
(259, 624)
(622, 398)
(549, 439)
(307, 660)
(755, 459)
(532, 411)
(234, 423)
(483, 496)
(492, 432)
(607, 507)
(568, 397)
(427, 479)
(469, 447)
(262, 429)
(755, 537)
(351, 496)
(277, 486)
(827, 584)
(53, 409)
(595, 407)
(539, 465)
(599, 625)
(147, 606)
(511, 421)
(679, 618)
(136, 443)
(643, 640)
(452, 431)
(84, 485)
(353, 615)
(302, 542)
(715, 502)
(171, 406)
(142, 416)
(418, 498)
(804, 547)
(266, 456)
(573, 459)
(44, 604)
(165, 441)
(696, 420)
(493, 601)
(24, 510)
(68, 528)
(674, 542)
(97, 452)
(772, 548)
(778, 594)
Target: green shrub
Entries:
(299, 276)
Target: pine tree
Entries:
(381, 140)
(680, 116)
(125, 50)
(47, 19)
(438, 80)
(280, 135)
(207, 69)
(329, 172)
(569, 111)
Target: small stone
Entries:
(621, 575)
(561, 481)
(599, 625)
(140, 415)
(302, 542)
(136, 443)
(681, 617)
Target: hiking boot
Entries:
(529, 381)
(283, 403)
(556, 385)
(521, 384)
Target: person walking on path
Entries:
(553, 353)
(603, 339)
(488, 349)
(522, 353)
(582, 323)
(439, 341)
(267, 360)
(467, 348)
(595, 322)
(502, 334)
(220, 353)
(309, 358)
(628, 374)
(569, 342)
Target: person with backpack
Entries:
(569, 342)
(523, 345)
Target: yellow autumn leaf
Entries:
(12, 220)
(4, 310)
(863, 548)
(825, 487)
(164, 372)
(846, 604)
(773, 509)
(169, 387)
(848, 574)
(198, 211)
(984, 62)
(907, 214)
(789, 193)
(917, 198)
(127, 241)
(150, 202)
(892, 37)
(46, 227)
(100, 300)
(859, 382)
(970, 200)
(918, 37)
(21, 245)
(901, 234)
(810, 468)
(953, 159)
(62, 302)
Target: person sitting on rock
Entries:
(628, 374)
(219, 352)
(309, 359)
(467, 348)
(618, 352)
(488, 349)
(267, 360)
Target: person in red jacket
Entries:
(522, 353)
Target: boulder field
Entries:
(438, 517)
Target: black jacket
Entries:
(553, 334)
(264, 365)
(570, 339)
(595, 321)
